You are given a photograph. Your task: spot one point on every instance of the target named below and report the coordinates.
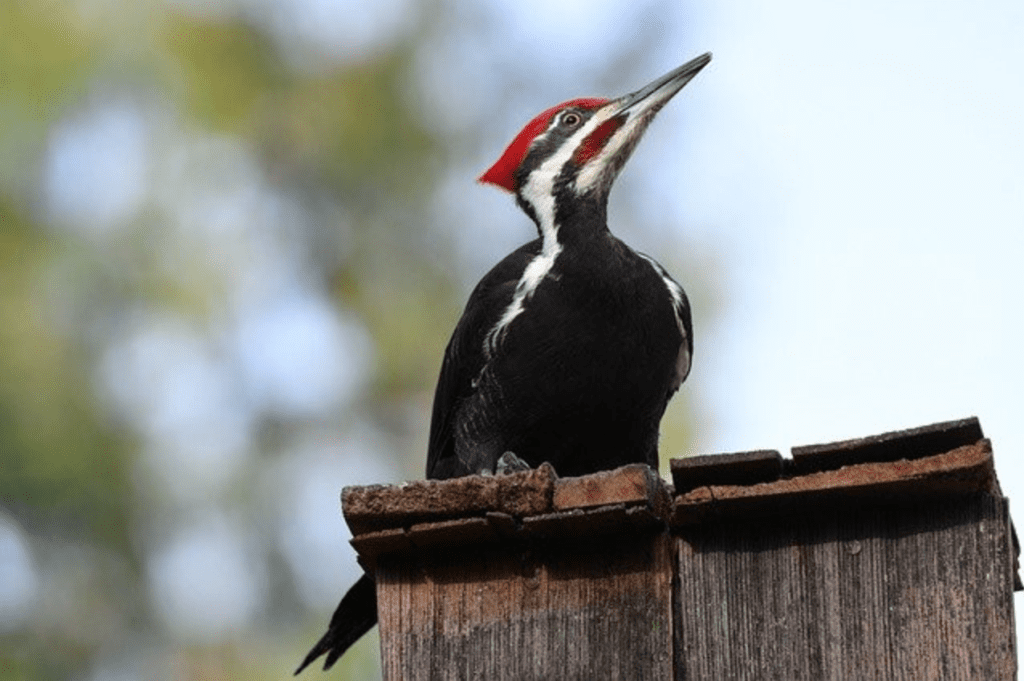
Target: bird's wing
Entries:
(681, 307)
(464, 358)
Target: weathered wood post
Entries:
(891, 557)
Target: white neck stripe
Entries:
(539, 193)
(539, 190)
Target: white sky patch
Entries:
(178, 390)
(196, 398)
(95, 173)
(890, 148)
(19, 583)
(334, 31)
(206, 582)
(552, 30)
(299, 356)
(306, 484)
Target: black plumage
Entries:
(582, 377)
(570, 348)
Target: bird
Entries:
(570, 348)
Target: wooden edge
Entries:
(444, 534)
(373, 544)
(740, 468)
(531, 493)
(635, 484)
(585, 524)
(912, 443)
(451, 533)
(965, 470)
(378, 507)
(575, 524)
(534, 505)
(505, 525)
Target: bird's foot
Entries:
(510, 463)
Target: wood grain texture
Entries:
(738, 468)
(884, 592)
(374, 508)
(962, 471)
(912, 443)
(887, 557)
(569, 611)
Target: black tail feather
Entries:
(356, 614)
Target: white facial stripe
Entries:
(593, 171)
(540, 185)
(539, 192)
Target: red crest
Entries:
(503, 172)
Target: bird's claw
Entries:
(510, 463)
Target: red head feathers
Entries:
(503, 172)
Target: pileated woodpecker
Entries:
(570, 348)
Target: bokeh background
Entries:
(235, 235)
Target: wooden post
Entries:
(596, 612)
(891, 557)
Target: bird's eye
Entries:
(571, 119)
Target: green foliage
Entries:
(44, 62)
(59, 463)
(221, 72)
(346, 142)
(69, 468)
(352, 128)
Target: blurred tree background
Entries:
(234, 238)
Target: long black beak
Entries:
(646, 101)
(623, 122)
